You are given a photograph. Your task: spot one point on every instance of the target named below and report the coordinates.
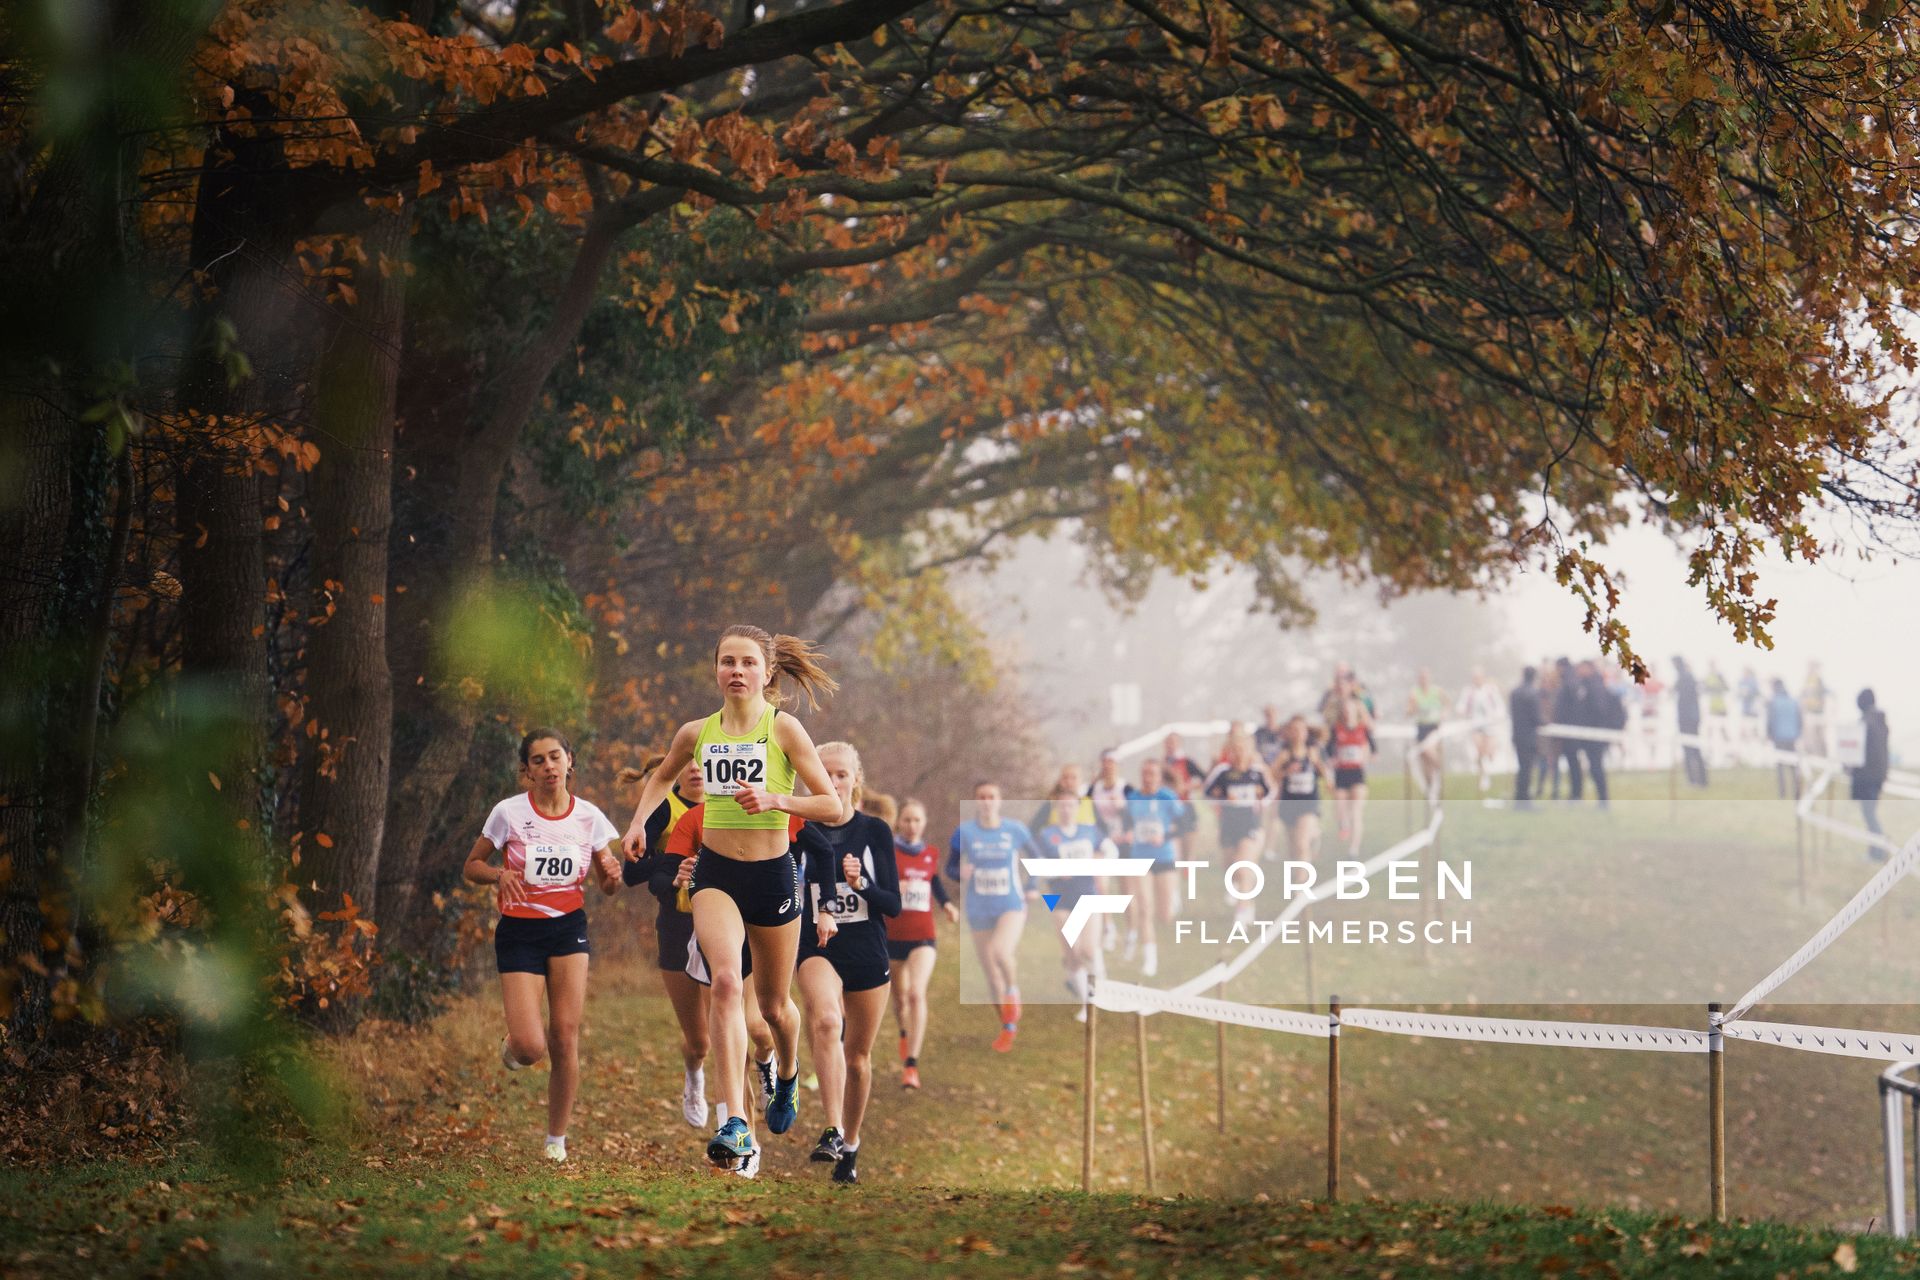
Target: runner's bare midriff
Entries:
(745, 846)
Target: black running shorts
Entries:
(901, 948)
(767, 893)
(858, 955)
(524, 945)
(674, 929)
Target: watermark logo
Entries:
(1089, 905)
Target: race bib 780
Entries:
(552, 865)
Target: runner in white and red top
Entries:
(549, 840)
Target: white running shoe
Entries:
(506, 1056)
(763, 1075)
(1133, 943)
(1150, 960)
(749, 1165)
(556, 1151)
(693, 1098)
(1080, 1014)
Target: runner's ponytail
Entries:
(630, 775)
(793, 658)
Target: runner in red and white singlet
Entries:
(549, 841)
(911, 934)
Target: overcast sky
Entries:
(1860, 619)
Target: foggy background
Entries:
(1200, 654)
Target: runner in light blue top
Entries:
(1160, 818)
(984, 855)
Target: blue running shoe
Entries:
(731, 1144)
(785, 1107)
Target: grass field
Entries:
(1596, 1159)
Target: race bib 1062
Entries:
(727, 766)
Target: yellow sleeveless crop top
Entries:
(726, 762)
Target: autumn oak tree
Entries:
(365, 310)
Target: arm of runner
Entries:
(1031, 848)
(508, 890)
(954, 872)
(882, 889)
(606, 865)
(658, 783)
(821, 874)
(823, 805)
(947, 904)
(646, 868)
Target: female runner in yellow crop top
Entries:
(744, 880)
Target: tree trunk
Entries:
(482, 464)
(248, 360)
(344, 780)
(34, 506)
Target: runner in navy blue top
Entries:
(844, 981)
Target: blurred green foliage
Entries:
(186, 892)
(517, 641)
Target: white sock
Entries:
(849, 1150)
(720, 1115)
(560, 1138)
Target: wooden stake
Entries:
(1716, 1114)
(1220, 1064)
(1087, 1103)
(1306, 953)
(1406, 787)
(1333, 1099)
(1799, 840)
(1146, 1102)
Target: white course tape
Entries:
(1219, 973)
(1152, 739)
(1830, 771)
(1578, 1035)
(1125, 997)
(1875, 889)
(1586, 733)
(1883, 1046)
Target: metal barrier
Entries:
(1897, 1082)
